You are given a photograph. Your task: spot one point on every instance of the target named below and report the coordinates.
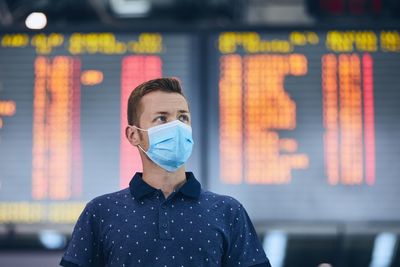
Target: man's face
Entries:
(161, 107)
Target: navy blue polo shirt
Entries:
(137, 226)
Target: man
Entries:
(163, 218)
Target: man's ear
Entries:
(132, 135)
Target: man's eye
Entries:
(161, 119)
(184, 118)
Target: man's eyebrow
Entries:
(166, 112)
(161, 112)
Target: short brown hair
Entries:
(169, 85)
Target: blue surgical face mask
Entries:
(170, 144)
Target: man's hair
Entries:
(169, 85)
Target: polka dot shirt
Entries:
(137, 226)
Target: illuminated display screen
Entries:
(350, 7)
(297, 125)
(63, 104)
(304, 125)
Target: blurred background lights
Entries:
(384, 247)
(51, 239)
(36, 21)
(275, 244)
(131, 8)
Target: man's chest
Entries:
(156, 233)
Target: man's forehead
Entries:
(158, 101)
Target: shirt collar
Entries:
(139, 188)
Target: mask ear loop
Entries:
(141, 130)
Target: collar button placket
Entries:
(163, 219)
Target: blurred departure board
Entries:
(305, 125)
(297, 125)
(63, 101)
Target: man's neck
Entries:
(166, 181)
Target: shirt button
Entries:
(163, 206)
(164, 225)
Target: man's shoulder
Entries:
(219, 200)
(120, 197)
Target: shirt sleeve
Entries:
(84, 248)
(243, 247)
